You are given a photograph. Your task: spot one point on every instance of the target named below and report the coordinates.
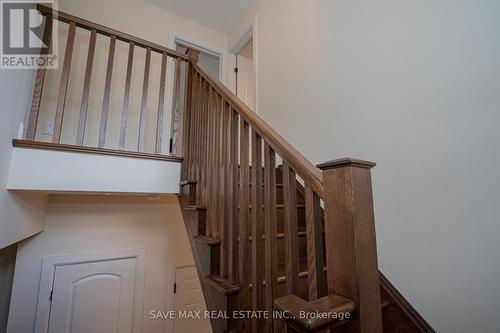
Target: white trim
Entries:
(255, 63)
(169, 296)
(49, 264)
(250, 33)
(176, 37)
(242, 41)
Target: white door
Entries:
(189, 299)
(244, 80)
(95, 297)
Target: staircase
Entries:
(279, 244)
(273, 234)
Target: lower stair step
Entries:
(222, 285)
(207, 240)
(194, 208)
(329, 311)
(186, 182)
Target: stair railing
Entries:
(96, 32)
(232, 154)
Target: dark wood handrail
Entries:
(85, 24)
(304, 168)
(28, 144)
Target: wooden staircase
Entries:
(305, 261)
(279, 244)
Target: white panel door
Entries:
(95, 297)
(189, 299)
(244, 80)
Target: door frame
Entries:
(176, 37)
(250, 32)
(170, 296)
(51, 262)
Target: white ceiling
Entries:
(219, 15)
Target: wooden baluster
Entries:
(193, 59)
(243, 219)
(270, 220)
(144, 101)
(233, 199)
(39, 81)
(176, 112)
(199, 144)
(86, 89)
(314, 237)
(161, 104)
(123, 126)
(191, 158)
(187, 169)
(291, 229)
(205, 138)
(225, 189)
(181, 143)
(350, 236)
(195, 137)
(257, 273)
(184, 103)
(107, 90)
(63, 86)
(201, 153)
(211, 157)
(215, 166)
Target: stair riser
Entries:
(189, 191)
(202, 222)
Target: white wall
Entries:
(142, 19)
(58, 171)
(413, 86)
(21, 214)
(7, 263)
(78, 224)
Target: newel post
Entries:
(351, 252)
(192, 55)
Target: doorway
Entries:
(208, 60)
(244, 71)
(188, 299)
(95, 292)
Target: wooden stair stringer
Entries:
(214, 300)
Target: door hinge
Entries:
(175, 287)
(50, 296)
(236, 69)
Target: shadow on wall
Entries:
(7, 264)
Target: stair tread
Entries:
(277, 185)
(207, 240)
(278, 206)
(280, 235)
(186, 181)
(222, 285)
(194, 208)
(327, 306)
(300, 233)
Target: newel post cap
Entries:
(346, 162)
(193, 54)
